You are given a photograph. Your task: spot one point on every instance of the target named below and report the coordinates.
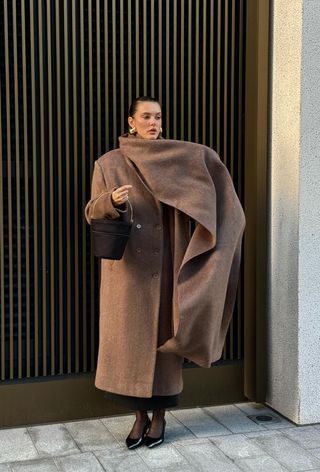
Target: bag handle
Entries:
(130, 205)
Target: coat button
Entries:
(155, 275)
(156, 251)
(138, 249)
(158, 227)
(139, 226)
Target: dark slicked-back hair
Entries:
(134, 104)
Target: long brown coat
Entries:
(173, 182)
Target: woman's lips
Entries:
(152, 131)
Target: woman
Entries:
(171, 295)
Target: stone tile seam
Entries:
(55, 463)
(210, 416)
(74, 439)
(212, 438)
(309, 449)
(225, 456)
(185, 426)
(232, 432)
(110, 432)
(146, 464)
(268, 454)
(34, 445)
(93, 452)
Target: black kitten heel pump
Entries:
(152, 442)
(133, 443)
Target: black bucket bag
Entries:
(110, 237)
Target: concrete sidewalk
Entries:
(221, 439)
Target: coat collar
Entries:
(175, 172)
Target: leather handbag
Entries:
(110, 237)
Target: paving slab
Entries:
(252, 408)
(91, 435)
(207, 457)
(175, 430)
(259, 464)
(233, 418)
(5, 468)
(237, 446)
(83, 462)
(163, 456)
(119, 460)
(175, 468)
(199, 423)
(16, 445)
(316, 452)
(119, 426)
(52, 440)
(285, 451)
(307, 436)
(38, 465)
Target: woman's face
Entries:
(146, 120)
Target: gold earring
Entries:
(132, 130)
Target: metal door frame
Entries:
(75, 396)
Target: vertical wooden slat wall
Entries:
(69, 71)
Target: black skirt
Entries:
(141, 403)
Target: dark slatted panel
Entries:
(69, 71)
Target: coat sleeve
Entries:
(100, 205)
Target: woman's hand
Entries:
(120, 195)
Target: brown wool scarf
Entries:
(191, 178)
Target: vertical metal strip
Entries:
(137, 50)
(59, 158)
(240, 164)
(174, 98)
(67, 189)
(232, 81)
(98, 101)
(35, 192)
(225, 85)
(121, 69)
(224, 125)
(9, 174)
(83, 170)
(167, 62)
(182, 73)
(152, 48)
(218, 79)
(76, 177)
(129, 50)
(204, 72)
(51, 194)
(43, 196)
(231, 137)
(2, 307)
(17, 186)
(98, 75)
(106, 74)
(145, 64)
(160, 51)
(196, 73)
(211, 73)
(189, 68)
(92, 301)
(26, 188)
(114, 72)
